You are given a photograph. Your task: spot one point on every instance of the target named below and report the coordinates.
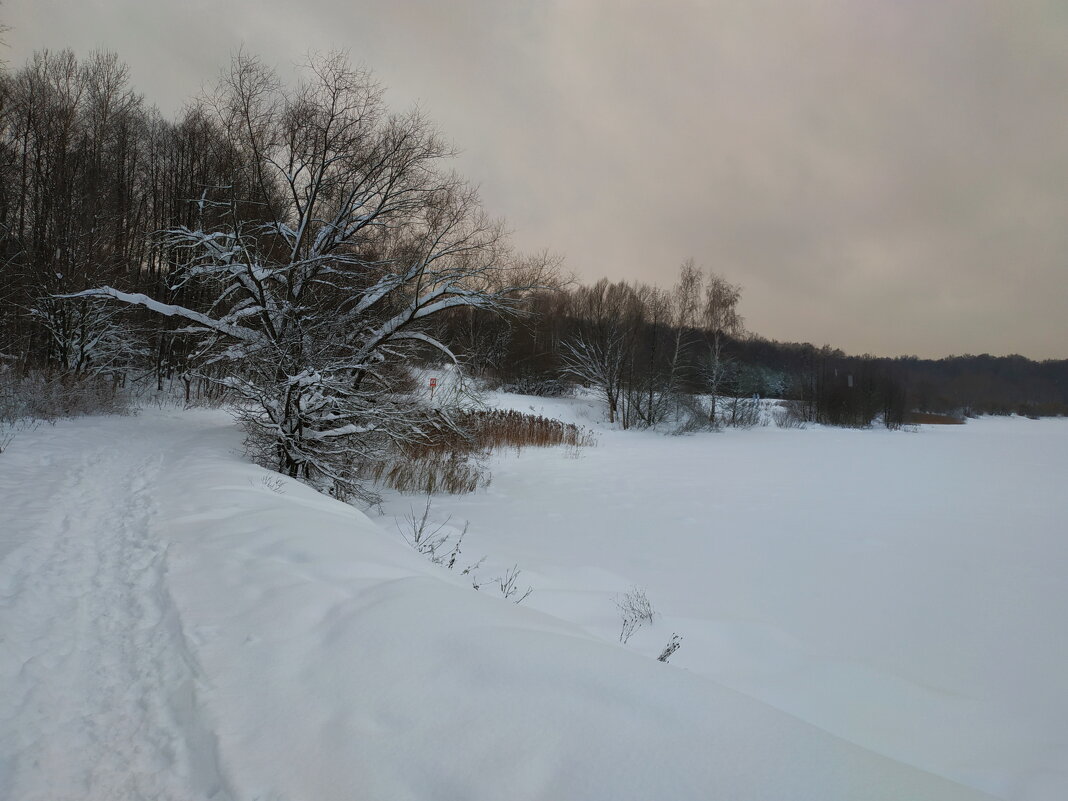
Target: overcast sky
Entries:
(886, 176)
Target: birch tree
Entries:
(720, 319)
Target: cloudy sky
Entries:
(886, 176)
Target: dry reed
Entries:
(452, 459)
(929, 418)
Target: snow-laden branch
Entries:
(170, 310)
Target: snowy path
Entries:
(93, 653)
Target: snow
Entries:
(900, 590)
(178, 624)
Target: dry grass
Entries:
(452, 460)
(486, 431)
(931, 419)
(510, 429)
(431, 472)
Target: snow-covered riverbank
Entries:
(173, 626)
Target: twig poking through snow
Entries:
(670, 648)
(275, 484)
(508, 586)
(431, 543)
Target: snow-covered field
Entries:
(865, 615)
(903, 590)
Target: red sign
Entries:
(433, 383)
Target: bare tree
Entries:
(720, 319)
(600, 352)
(598, 362)
(653, 370)
(341, 235)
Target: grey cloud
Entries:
(882, 176)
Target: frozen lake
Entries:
(903, 590)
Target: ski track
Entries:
(91, 645)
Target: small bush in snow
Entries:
(9, 428)
(509, 587)
(790, 414)
(740, 412)
(636, 611)
(670, 648)
(690, 414)
(275, 484)
(428, 539)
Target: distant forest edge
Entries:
(94, 183)
(833, 387)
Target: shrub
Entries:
(636, 611)
(740, 412)
(508, 584)
(51, 395)
(429, 540)
(545, 387)
(692, 415)
(790, 414)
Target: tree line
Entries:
(661, 345)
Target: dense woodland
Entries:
(297, 247)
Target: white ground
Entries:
(171, 627)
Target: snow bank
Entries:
(224, 636)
